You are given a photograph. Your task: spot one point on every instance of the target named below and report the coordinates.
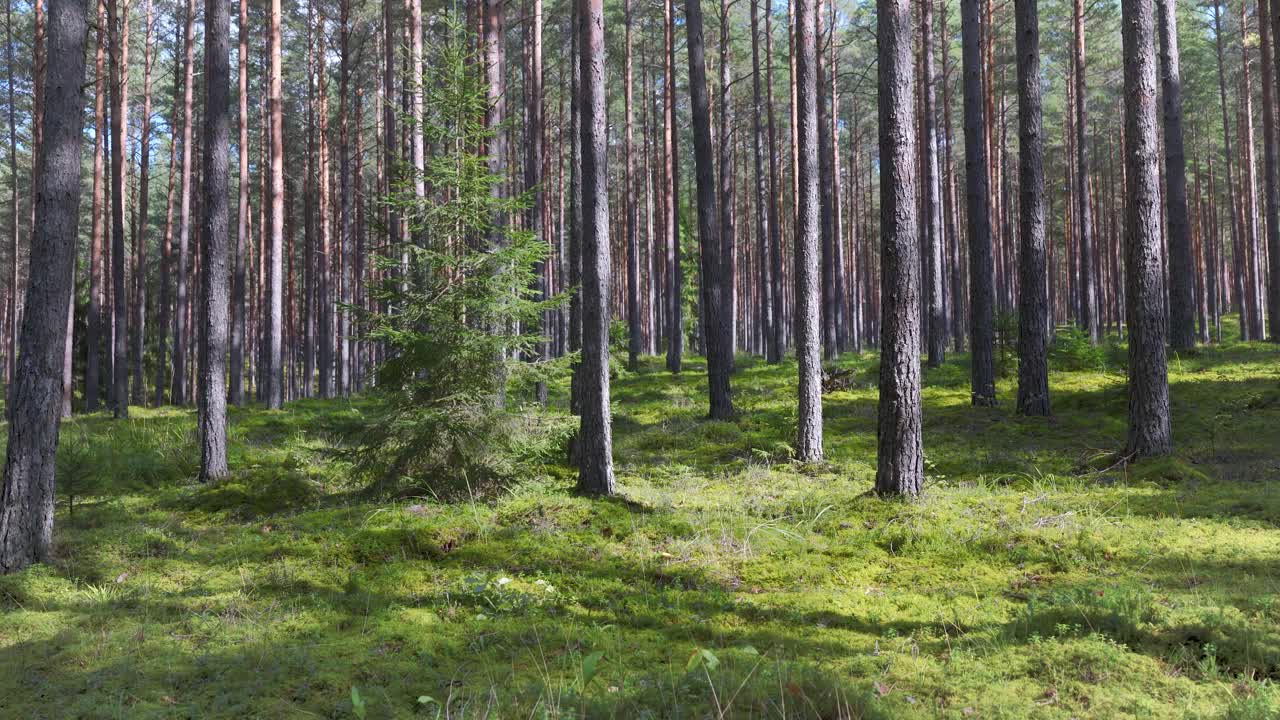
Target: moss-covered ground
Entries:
(1037, 578)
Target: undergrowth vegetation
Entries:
(1035, 578)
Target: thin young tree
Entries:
(214, 260)
(634, 339)
(275, 254)
(981, 264)
(1267, 14)
(763, 196)
(139, 389)
(595, 436)
(900, 449)
(715, 291)
(1084, 222)
(934, 291)
(26, 502)
(808, 278)
(671, 201)
(1033, 294)
(94, 321)
(178, 395)
(118, 29)
(238, 315)
(1149, 427)
(1182, 304)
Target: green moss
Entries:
(1036, 577)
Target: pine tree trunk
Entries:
(981, 269)
(900, 451)
(118, 27)
(934, 291)
(139, 389)
(775, 207)
(1084, 242)
(214, 268)
(808, 276)
(26, 501)
(1182, 335)
(763, 196)
(1229, 158)
(274, 365)
(715, 291)
(675, 269)
(595, 437)
(1267, 19)
(238, 319)
(178, 396)
(1033, 300)
(1149, 432)
(94, 321)
(634, 340)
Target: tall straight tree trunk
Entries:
(1149, 432)
(900, 451)
(118, 26)
(164, 322)
(1267, 13)
(1229, 175)
(1033, 299)
(808, 276)
(934, 291)
(595, 437)
(1182, 330)
(956, 305)
(238, 319)
(775, 187)
(675, 269)
(27, 497)
(715, 290)
(827, 208)
(727, 196)
(346, 208)
(275, 253)
(763, 198)
(981, 267)
(1248, 188)
(535, 158)
(1084, 223)
(178, 396)
(323, 301)
(94, 322)
(634, 340)
(213, 243)
(139, 389)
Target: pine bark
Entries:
(1182, 331)
(1149, 429)
(143, 216)
(118, 28)
(808, 278)
(94, 320)
(178, 395)
(671, 202)
(238, 319)
(981, 265)
(765, 215)
(900, 447)
(1033, 299)
(27, 497)
(595, 436)
(214, 261)
(274, 366)
(715, 290)
(1084, 223)
(934, 290)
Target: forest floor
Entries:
(1035, 578)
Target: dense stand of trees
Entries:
(677, 197)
